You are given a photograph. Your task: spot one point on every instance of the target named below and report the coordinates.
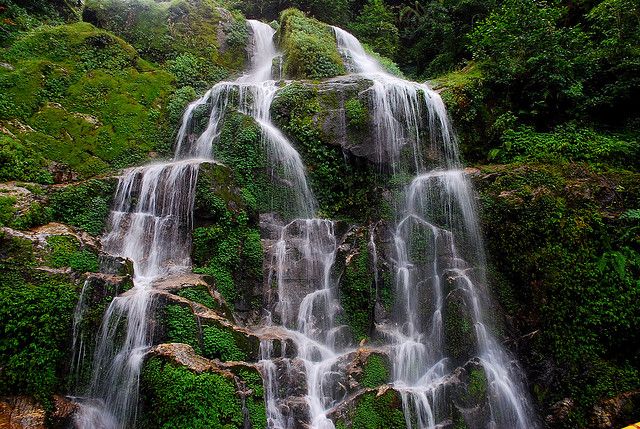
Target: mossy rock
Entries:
(309, 46)
(226, 240)
(174, 396)
(459, 330)
(560, 239)
(373, 410)
(376, 371)
(357, 291)
(299, 109)
(209, 336)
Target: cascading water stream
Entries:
(439, 208)
(306, 306)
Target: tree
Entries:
(375, 27)
(539, 66)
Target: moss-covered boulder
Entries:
(226, 242)
(371, 409)
(181, 389)
(309, 46)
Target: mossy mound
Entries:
(374, 410)
(301, 110)
(79, 99)
(310, 50)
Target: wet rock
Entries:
(616, 411)
(21, 412)
(61, 173)
(24, 412)
(560, 411)
(116, 265)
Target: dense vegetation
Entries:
(543, 94)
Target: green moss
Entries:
(357, 114)
(458, 78)
(36, 311)
(65, 251)
(85, 205)
(309, 47)
(182, 326)
(178, 398)
(357, 292)
(375, 371)
(378, 412)
(83, 99)
(220, 343)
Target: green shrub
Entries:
(178, 102)
(375, 26)
(357, 293)
(568, 143)
(7, 210)
(163, 31)
(199, 294)
(554, 235)
(378, 412)
(182, 326)
(21, 162)
(229, 248)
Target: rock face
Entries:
(23, 412)
(616, 411)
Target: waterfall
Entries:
(438, 207)
(151, 221)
